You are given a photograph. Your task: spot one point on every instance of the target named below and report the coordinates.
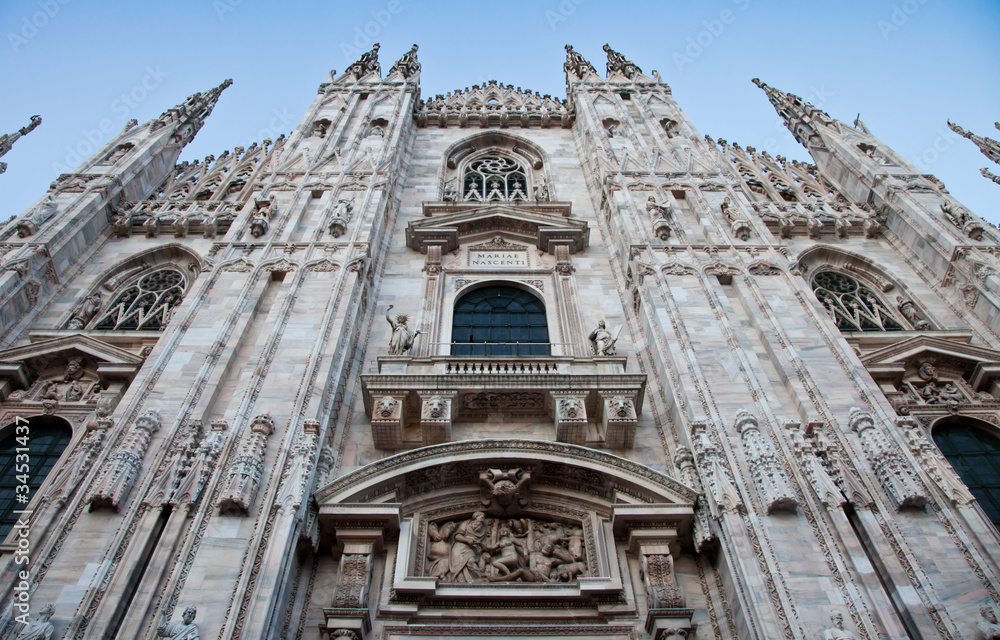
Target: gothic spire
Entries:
(189, 116)
(367, 63)
(407, 65)
(800, 117)
(989, 146)
(7, 140)
(617, 63)
(577, 64)
(986, 174)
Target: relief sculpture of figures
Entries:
(988, 625)
(41, 628)
(401, 340)
(185, 629)
(482, 549)
(602, 343)
(86, 311)
(837, 631)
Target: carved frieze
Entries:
(484, 549)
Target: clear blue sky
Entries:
(905, 65)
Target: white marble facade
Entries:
(712, 413)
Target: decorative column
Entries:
(619, 419)
(123, 466)
(885, 460)
(360, 531)
(667, 617)
(246, 469)
(436, 414)
(571, 416)
(772, 484)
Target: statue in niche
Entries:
(988, 625)
(602, 343)
(541, 193)
(41, 628)
(85, 312)
(485, 549)
(450, 192)
(401, 340)
(837, 631)
(185, 629)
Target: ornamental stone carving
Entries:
(769, 477)
(502, 489)
(713, 469)
(247, 469)
(889, 466)
(184, 629)
(988, 626)
(85, 312)
(620, 420)
(571, 417)
(662, 591)
(122, 467)
(482, 549)
(837, 631)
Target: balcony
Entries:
(428, 394)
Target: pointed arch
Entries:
(516, 159)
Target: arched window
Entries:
(145, 305)
(854, 306)
(975, 455)
(494, 178)
(43, 439)
(499, 321)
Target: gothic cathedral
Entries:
(496, 364)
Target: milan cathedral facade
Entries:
(498, 364)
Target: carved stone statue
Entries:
(837, 631)
(450, 192)
(439, 549)
(602, 343)
(74, 370)
(401, 339)
(466, 547)
(541, 193)
(41, 628)
(258, 226)
(988, 625)
(85, 312)
(185, 629)
(75, 392)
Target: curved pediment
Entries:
(602, 476)
(448, 224)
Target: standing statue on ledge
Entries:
(402, 339)
(988, 625)
(837, 632)
(185, 630)
(602, 343)
(41, 628)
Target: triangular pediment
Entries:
(976, 364)
(22, 364)
(449, 224)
